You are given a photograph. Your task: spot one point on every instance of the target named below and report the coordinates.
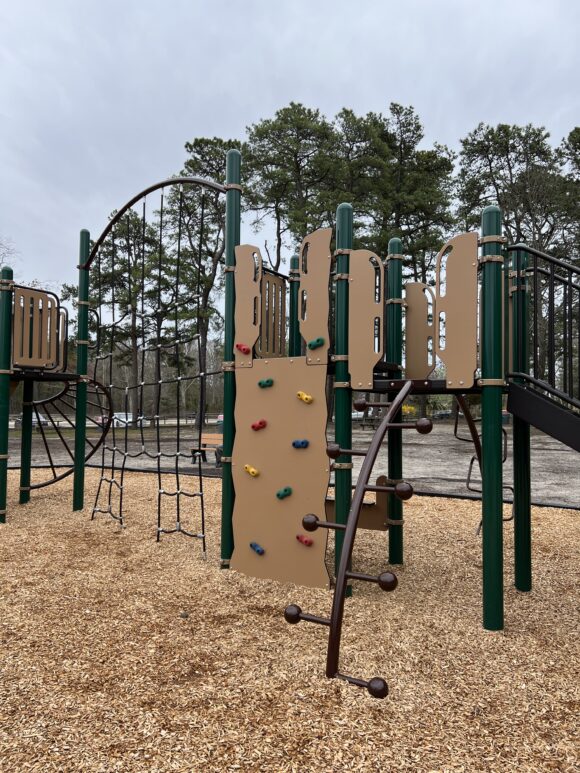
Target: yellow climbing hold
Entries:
(304, 397)
(251, 470)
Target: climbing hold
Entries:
(284, 492)
(251, 470)
(304, 397)
(257, 548)
(304, 540)
(243, 348)
(316, 343)
(260, 424)
(264, 383)
(300, 443)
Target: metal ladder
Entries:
(387, 581)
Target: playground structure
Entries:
(277, 462)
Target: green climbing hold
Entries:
(264, 383)
(316, 343)
(284, 492)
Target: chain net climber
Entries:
(156, 273)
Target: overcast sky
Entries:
(98, 97)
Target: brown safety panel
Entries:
(273, 465)
(458, 304)
(373, 515)
(314, 266)
(419, 330)
(365, 317)
(36, 328)
(272, 340)
(248, 276)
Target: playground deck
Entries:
(123, 654)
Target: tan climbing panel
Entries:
(365, 317)
(419, 330)
(313, 299)
(456, 320)
(272, 340)
(259, 516)
(36, 327)
(268, 421)
(248, 277)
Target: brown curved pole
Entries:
(337, 613)
(461, 402)
(164, 184)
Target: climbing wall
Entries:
(279, 463)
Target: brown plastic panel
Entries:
(62, 341)
(459, 304)
(259, 516)
(313, 300)
(373, 515)
(248, 276)
(36, 329)
(364, 307)
(419, 330)
(272, 340)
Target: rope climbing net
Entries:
(156, 275)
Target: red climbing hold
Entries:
(304, 539)
(260, 424)
(243, 348)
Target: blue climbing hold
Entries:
(257, 548)
(300, 443)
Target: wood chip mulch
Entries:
(121, 654)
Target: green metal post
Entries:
(491, 401)
(294, 337)
(343, 392)
(394, 354)
(6, 293)
(26, 441)
(82, 363)
(232, 236)
(521, 436)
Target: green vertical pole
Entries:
(6, 293)
(491, 400)
(232, 237)
(294, 337)
(82, 364)
(26, 441)
(394, 354)
(521, 436)
(343, 392)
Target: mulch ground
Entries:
(121, 654)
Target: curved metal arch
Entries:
(164, 184)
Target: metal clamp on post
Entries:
(395, 256)
(339, 277)
(83, 303)
(491, 259)
(341, 384)
(341, 466)
(81, 341)
(228, 366)
(6, 284)
(233, 187)
(391, 522)
(341, 252)
(491, 382)
(339, 357)
(229, 269)
(226, 459)
(492, 240)
(398, 301)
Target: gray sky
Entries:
(97, 98)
